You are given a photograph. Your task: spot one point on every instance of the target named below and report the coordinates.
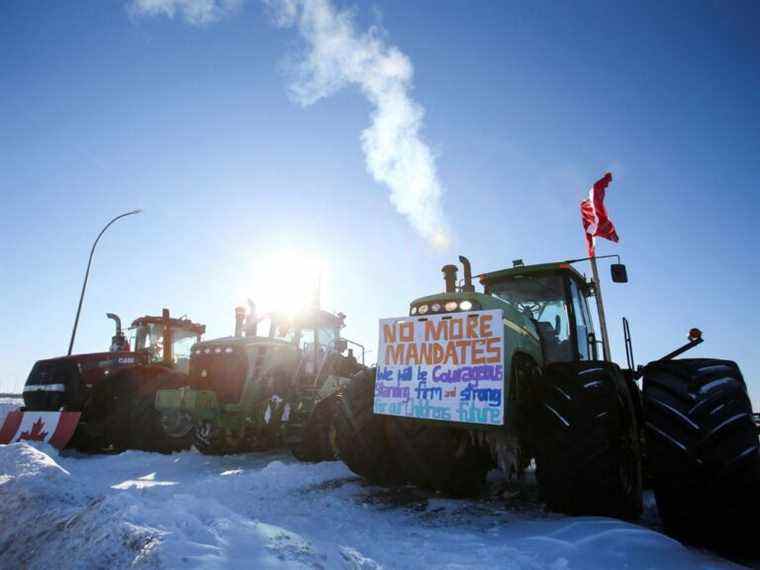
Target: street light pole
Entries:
(87, 275)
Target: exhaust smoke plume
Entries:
(338, 56)
(395, 152)
(195, 12)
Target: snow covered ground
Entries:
(269, 511)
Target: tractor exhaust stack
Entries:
(168, 359)
(115, 318)
(468, 286)
(450, 278)
(118, 340)
(239, 319)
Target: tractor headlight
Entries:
(423, 309)
(451, 306)
(413, 311)
(465, 305)
(435, 307)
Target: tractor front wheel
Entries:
(360, 434)
(209, 438)
(439, 457)
(318, 440)
(586, 441)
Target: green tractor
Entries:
(272, 384)
(512, 377)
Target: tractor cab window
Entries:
(182, 343)
(284, 330)
(306, 340)
(316, 347)
(542, 298)
(150, 338)
(309, 350)
(264, 327)
(327, 338)
(583, 321)
(278, 328)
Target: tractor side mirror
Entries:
(619, 273)
(341, 345)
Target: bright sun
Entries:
(285, 281)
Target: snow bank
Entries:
(7, 405)
(267, 511)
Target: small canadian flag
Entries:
(594, 216)
(55, 428)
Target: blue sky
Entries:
(526, 104)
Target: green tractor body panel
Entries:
(220, 392)
(520, 333)
(200, 404)
(261, 390)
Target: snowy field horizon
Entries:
(266, 510)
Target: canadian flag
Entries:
(594, 215)
(55, 428)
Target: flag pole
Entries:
(600, 308)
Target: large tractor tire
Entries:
(318, 439)
(123, 409)
(438, 457)
(360, 434)
(703, 450)
(209, 438)
(586, 441)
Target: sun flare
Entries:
(286, 281)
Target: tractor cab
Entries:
(318, 337)
(313, 333)
(554, 297)
(544, 306)
(167, 341)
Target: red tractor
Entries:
(111, 394)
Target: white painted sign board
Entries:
(445, 367)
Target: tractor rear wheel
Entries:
(318, 436)
(703, 449)
(360, 434)
(124, 405)
(438, 457)
(586, 441)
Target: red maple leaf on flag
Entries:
(36, 433)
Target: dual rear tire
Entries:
(703, 450)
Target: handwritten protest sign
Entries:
(442, 367)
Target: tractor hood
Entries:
(66, 380)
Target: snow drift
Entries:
(267, 511)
